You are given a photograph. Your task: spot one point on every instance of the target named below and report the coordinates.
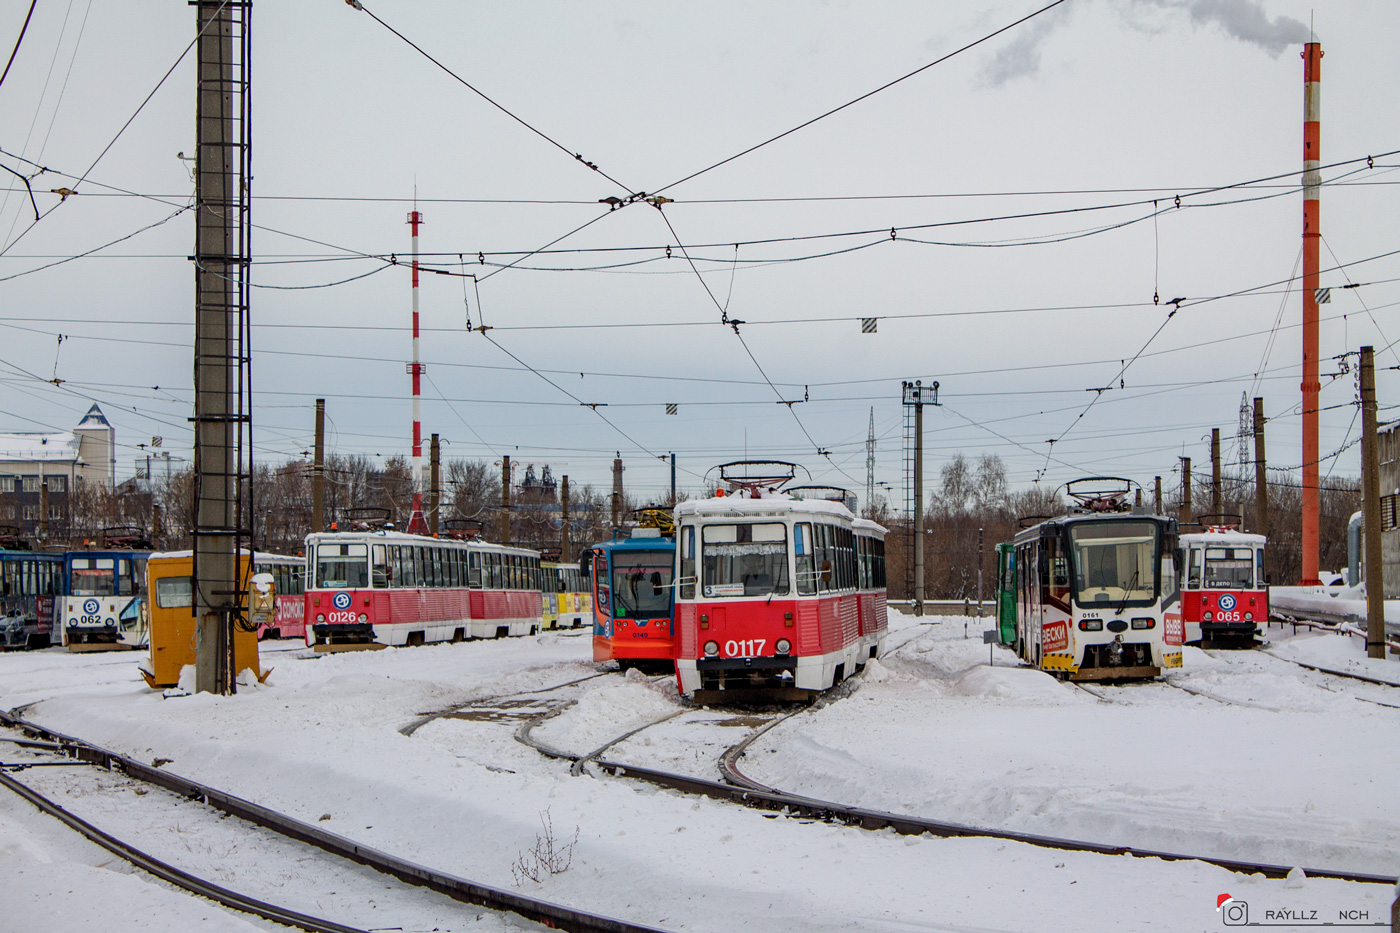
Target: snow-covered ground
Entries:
(1264, 762)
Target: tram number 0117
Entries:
(744, 647)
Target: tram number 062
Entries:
(744, 647)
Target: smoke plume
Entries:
(1241, 19)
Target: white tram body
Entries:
(389, 588)
(1097, 596)
(768, 594)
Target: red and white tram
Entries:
(1223, 594)
(768, 590)
(387, 588)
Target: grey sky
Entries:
(1095, 98)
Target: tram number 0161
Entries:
(744, 647)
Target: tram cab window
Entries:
(1193, 571)
(1114, 562)
(125, 581)
(745, 559)
(641, 584)
(1229, 568)
(342, 566)
(1260, 581)
(687, 558)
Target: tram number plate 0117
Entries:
(744, 647)
(341, 617)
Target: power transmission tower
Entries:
(870, 466)
(222, 392)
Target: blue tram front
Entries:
(1097, 596)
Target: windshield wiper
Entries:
(1132, 585)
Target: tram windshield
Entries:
(93, 576)
(1229, 568)
(1114, 562)
(748, 559)
(641, 584)
(342, 566)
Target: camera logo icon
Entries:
(1233, 913)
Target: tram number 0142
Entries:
(744, 647)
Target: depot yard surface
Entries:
(1281, 765)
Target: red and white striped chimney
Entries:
(1312, 235)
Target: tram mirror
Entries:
(655, 583)
(826, 571)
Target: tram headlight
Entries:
(1144, 623)
(783, 646)
(1249, 617)
(1091, 625)
(711, 649)
(1208, 617)
(363, 618)
(320, 617)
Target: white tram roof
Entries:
(257, 555)
(774, 504)
(399, 537)
(1223, 537)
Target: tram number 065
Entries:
(1229, 617)
(744, 647)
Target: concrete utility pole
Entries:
(434, 484)
(1217, 498)
(1184, 514)
(505, 499)
(673, 478)
(1371, 507)
(318, 471)
(617, 491)
(1261, 481)
(1157, 495)
(222, 442)
(916, 396)
(43, 508)
(980, 538)
(564, 555)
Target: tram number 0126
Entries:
(744, 647)
(340, 617)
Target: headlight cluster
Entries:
(1090, 625)
(1144, 623)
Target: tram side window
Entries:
(379, 566)
(687, 558)
(7, 578)
(802, 548)
(1193, 573)
(474, 570)
(342, 566)
(1259, 580)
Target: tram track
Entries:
(736, 787)
(550, 914)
